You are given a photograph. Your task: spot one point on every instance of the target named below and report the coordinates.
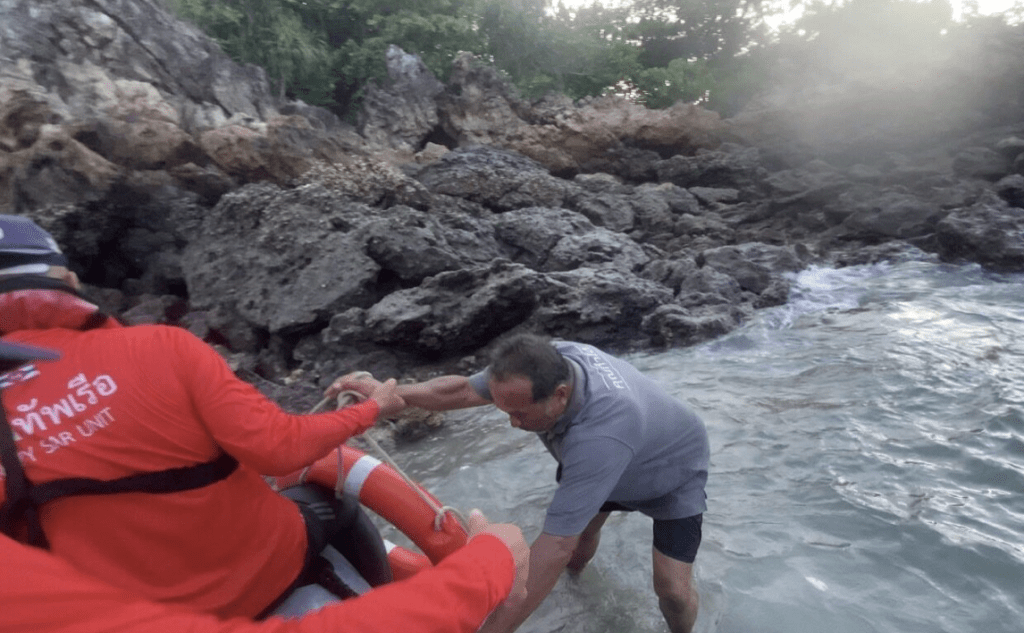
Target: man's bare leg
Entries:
(587, 546)
(677, 596)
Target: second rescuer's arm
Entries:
(549, 555)
(49, 596)
(442, 393)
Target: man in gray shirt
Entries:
(622, 443)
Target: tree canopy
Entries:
(658, 52)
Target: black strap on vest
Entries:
(24, 498)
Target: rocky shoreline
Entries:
(454, 213)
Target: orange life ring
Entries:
(380, 488)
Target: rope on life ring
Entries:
(380, 488)
(384, 488)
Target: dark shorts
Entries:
(676, 538)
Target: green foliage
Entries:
(662, 87)
(360, 32)
(578, 54)
(327, 51)
(271, 34)
(736, 83)
(695, 29)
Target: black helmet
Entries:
(25, 248)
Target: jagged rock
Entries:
(49, 173)
(602, 305)
(403, 113)
(708, 286)
(457, 311)
(989, 232)
(1011, 189)
(599, 248)
(673, 324)
(729, 167)
(530, 234)
(707, 225)
(84, 49)
(498, 179)
(367, 180)
(154, 309)
(414, 245)
(888, 214)
(670, 272)
(981, 162)
(714, 196)
(117, 99)
(279, 151)
(754, 266)
(282, 260)
(106, 88)
(610, 210)
(481, 108)
(654, 213)
(344, 346)
(1011, 147)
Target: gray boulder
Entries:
(675, 325)
(989, 232)
(413, 245)
(281, 260)
(455, 312)
(402, 114)
(603, 306)
(498, 179)
(530, 234)
(754, 266)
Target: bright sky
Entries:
(985, 7)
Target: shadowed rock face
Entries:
(185, 193)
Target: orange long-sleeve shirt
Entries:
(48, 596)
(121, 401)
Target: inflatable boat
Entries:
(377, 486)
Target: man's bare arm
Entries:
(443, 393)
(548, 557)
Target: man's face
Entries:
(514, 396)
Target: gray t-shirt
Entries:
(622, 438)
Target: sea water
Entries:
(867, 465)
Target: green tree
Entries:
(271, 34)
(658, 51)
(696, 29)
(578, 53)
(698, 50)
(325, 51)
(680, 80)
(362, 30)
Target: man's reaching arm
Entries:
(443, 393)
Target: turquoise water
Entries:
(867, 465)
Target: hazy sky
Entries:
(984, 6)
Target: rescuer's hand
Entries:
(360, 382)
(512, 537)
(362, 385)
(387, 398)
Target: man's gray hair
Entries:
(535, 358)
